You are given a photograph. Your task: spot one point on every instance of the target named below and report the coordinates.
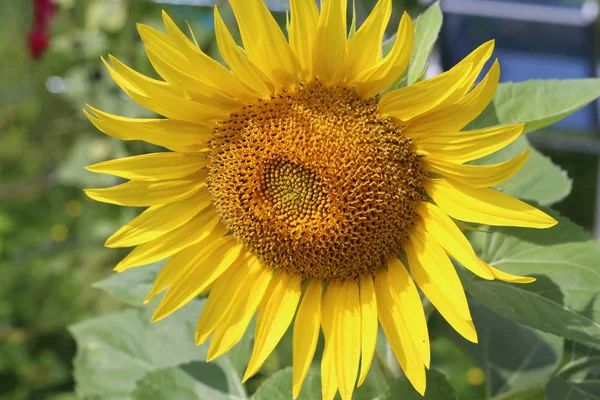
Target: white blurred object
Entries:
(56, 84)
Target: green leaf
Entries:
(387, 45)
(539, 180)
(538, 103)
(193, 381)
(166, 384)
(131, 286)
(438, 388)
(579, 361)
(564, 300)
(279, 387)
(116, 350)
(561, 389)
(512, 357)
(426, 33)
(239, 355)
(218, 379)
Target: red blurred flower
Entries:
(38, 42)
(39, 36)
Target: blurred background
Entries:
(51, 235)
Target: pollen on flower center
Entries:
(314, 182)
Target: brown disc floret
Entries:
(314, 182)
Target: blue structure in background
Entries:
(535, 39)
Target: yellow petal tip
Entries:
(154, 318)
(246, 376)
(211, 356)
(110, 243)
(200, 339)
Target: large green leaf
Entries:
(279, 387)
(116, 350)
(564, 300)
(561, 389)
(538, 103)
(131, 286)
(512, 356)
(579, 361)
(426, 33)
(194, 381)
(438, 388)
(166, 384)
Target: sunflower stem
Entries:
(384, 366)
(530, 391)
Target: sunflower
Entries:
(295, 184)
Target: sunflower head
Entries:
(315, 182)
(295, 179)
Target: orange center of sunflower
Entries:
(314, 182)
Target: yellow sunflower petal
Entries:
(368, 320)
(364, 47)
(485, 205)
(264, 41)
(161, 44)
(200, 272)
(160, 97)
(477, 58)
(152, 167)
(406, 297)
(303, 27)
(169, 133)
(211, 71)
(396, 329)
(477, 176)
(464, 227)
(506, 277)
(237, 60)
(222, 296)
(346, 338)
(159, 220)
(173, 67)
(375, 79)
(447, 234)
(456, 116)
(435, 275)
(192, 88)
(306, 333)
(329, 382)
(466, 146)
(172, 267)
(330, 52)
(275, 314)
(245, 301)
(196, 230)
(410, 101)
(475, 61)
(145, 193)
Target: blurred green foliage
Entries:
(51, 234)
